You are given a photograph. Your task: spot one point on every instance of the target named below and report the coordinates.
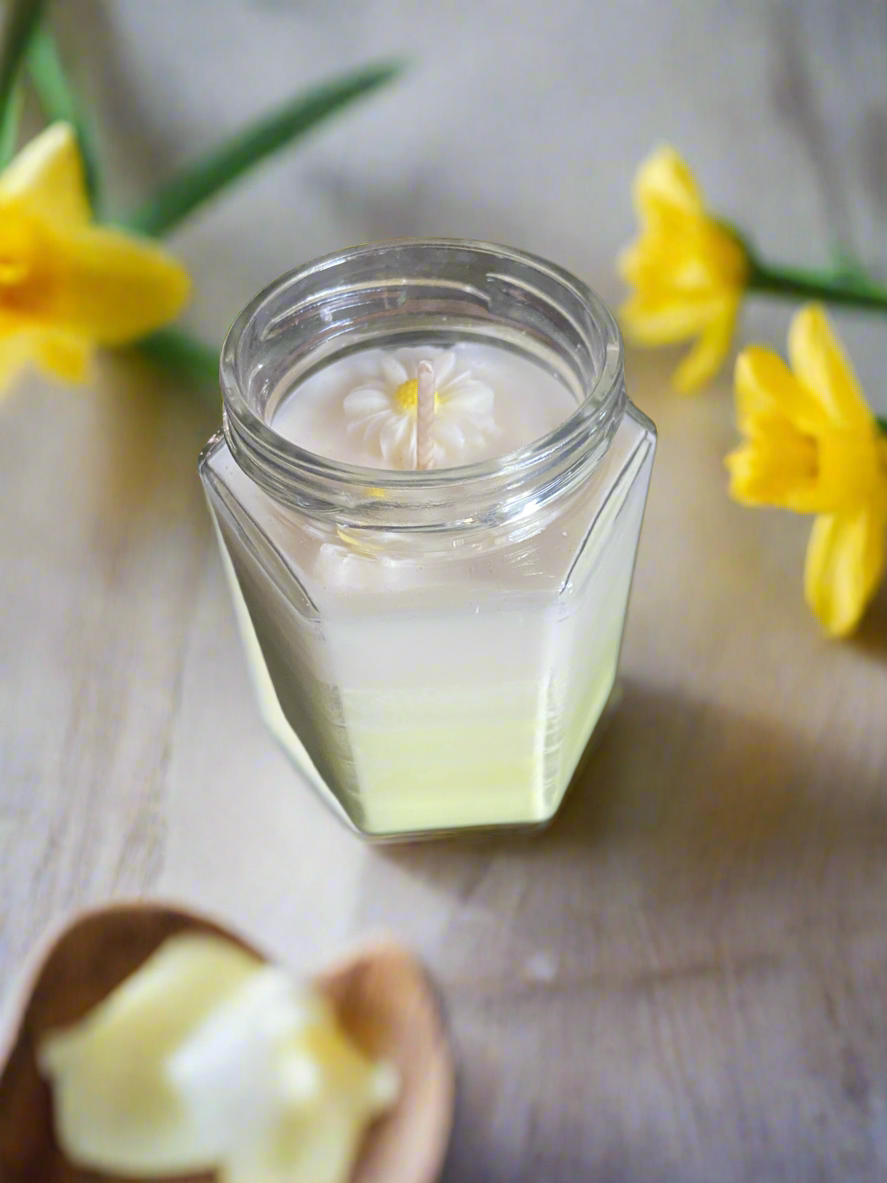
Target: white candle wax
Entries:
(361, 409)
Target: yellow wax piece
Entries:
(208, 1059)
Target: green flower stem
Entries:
(59, 101)
(9, 126)
(179, 353)
(792, 283)
(22, 19)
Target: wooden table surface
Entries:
(684, 980)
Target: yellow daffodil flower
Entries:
(813, 446)
(688, 271)
(67, 285)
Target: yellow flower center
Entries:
(407, 395)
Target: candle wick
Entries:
(425, 415)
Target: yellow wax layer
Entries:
(269, 705)
(503, 767)
(493, 740)
(439, 758)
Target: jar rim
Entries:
(281, 466)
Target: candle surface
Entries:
(361, 409)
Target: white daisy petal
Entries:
(443, 366)
(470, 385)
(370, 427)
(449, 434)
(404, 455)
(365, 400)
(394, 371)
(458, 378)
(392, 436)
(471, 396)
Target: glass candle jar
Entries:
(433, 649)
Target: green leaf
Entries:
(173, 350)
(22, 19)
(9, 126)
(59, 101)
(226, 163)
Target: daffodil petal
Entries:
(707, 355)
(17, 348)
(47, 175)
(665, 320)
(765, 386)
(820, 365)
(663, 179)
(59, 354)
(845, 564)
(850, 467)
(64, 355)
(115, 288)
(680, 269)
(630, 262)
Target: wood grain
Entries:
(684, 979)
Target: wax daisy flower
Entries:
(67, 285)
(381, 410)
(813, 446)
(689, 271)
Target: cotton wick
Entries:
(425, 415)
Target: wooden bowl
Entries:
(381, 994)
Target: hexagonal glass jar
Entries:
(433, 649)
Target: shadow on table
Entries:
(710, 889)
(871, 638)
(690, 798)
